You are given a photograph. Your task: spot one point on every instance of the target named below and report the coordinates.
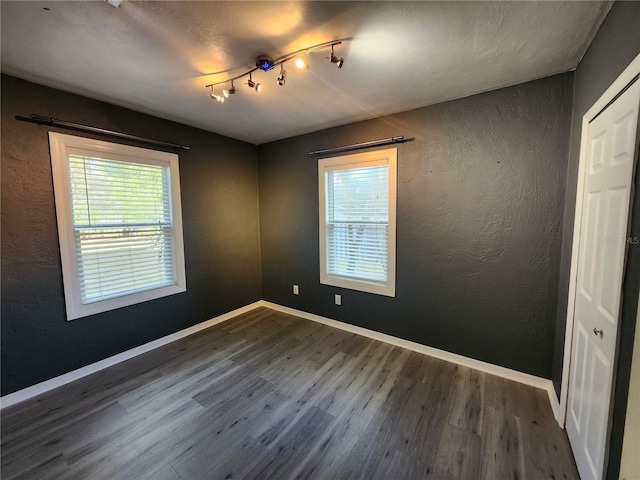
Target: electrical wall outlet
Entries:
(338, 299)
(296, 290)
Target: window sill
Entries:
(84, 310)
(359, 285)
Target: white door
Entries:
(611, 141)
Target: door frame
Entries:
(608, 96)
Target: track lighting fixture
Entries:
(336, 60)
(266, 63)
(282, 78)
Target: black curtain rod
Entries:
(359, 146)
(40, 120)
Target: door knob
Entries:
(597, 332)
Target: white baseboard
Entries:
(555, 404)
(47, 385)
(507, 373)
(490, 368)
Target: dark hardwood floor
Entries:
(268, 395)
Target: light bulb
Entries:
(302, 62)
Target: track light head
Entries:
(217, 98)
(282, 78)
(232, 91)
(257, 86)
(333, 59)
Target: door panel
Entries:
(577, 379)
(607, 190)
(623, 132)
(612, 263)
(597, 151)
(587, 273)
(598, 411)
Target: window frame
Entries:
(60, 146)
(352, 161)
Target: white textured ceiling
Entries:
(154, 56)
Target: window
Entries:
(119, 223)
(358, 221)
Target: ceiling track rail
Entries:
(360, 146)
(282, 59)
(41, 120)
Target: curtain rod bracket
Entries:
(359, 146)
(42, 120)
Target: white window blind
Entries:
(119, 223)
(122, 226)
(357, 221)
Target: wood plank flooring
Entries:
(269, 395)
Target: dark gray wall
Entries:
(220, 214)
(615, 45)
(478, 224)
